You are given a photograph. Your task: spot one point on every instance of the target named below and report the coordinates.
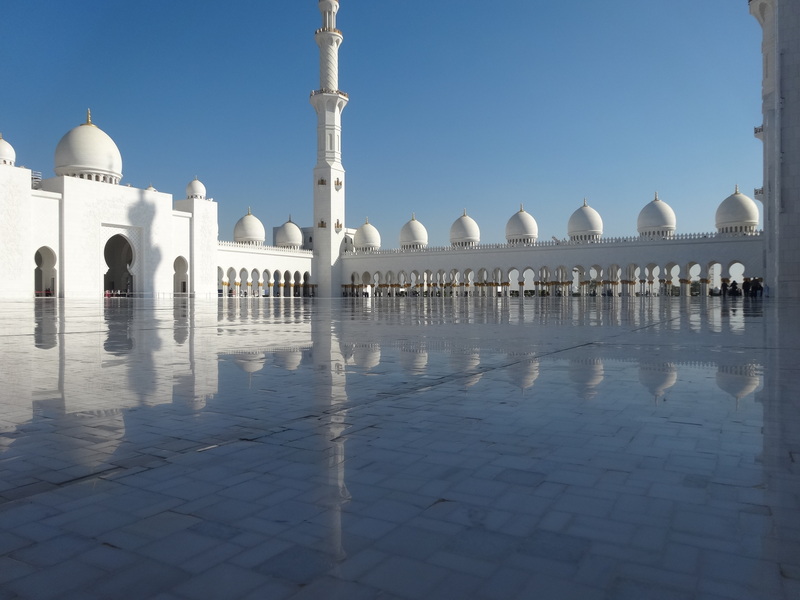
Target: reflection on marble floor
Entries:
(400, 448)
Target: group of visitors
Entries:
(749, 289)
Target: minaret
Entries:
(780, 47)
(329, 102)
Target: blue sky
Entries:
(453, 105)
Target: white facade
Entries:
(780, 132)
(82, 233)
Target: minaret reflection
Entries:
(330, 397)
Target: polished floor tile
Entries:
(400, 448)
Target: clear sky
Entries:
(470, 105)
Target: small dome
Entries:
(251, 362)
(737, 214)
(739, 380)
(196, 189)
(289, 235)
(7, 154)
(289, 359)
(586, 375)
(464, 231)
(585, 224)
(521, 228)
(657, 219)
(413, 234)
(524, 373)
(86, 151)
(249, 230)
(414, 359)
(367, 237)
(658, 377)
(367, 356)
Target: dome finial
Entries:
(521, 208)
(465, 212)
(367, 220)
(584, 202)
(88, 117)
(656, 198)
(248, 211)
(737, 189)
(413, 216)
(290, 217)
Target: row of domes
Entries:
(88, 152)
(736, 214)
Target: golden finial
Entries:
(88, 117)
(521, 208)
(413, 216)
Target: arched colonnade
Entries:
(631, 279)
(256, 282)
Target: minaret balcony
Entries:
(326, 91)
(759, 132)
(328, 29)
(759, 193)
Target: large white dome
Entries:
(367, 237)
(7, 154)
(465, 231)
(196, 189)
(585, 224)
(288, 235)
(737, 214)
(249, 230)
(86, 151)
(413, 234)
(656, 219)
(521, 228)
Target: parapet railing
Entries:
(261, 249)
(680, 237)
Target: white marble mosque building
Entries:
(82, 233)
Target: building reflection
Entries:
(80, 386)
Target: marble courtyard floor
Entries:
(586, 448)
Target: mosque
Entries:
(83, 233)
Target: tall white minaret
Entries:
(329, 102)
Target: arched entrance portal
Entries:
(180, 277)
(118, 280)
(45, 272)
